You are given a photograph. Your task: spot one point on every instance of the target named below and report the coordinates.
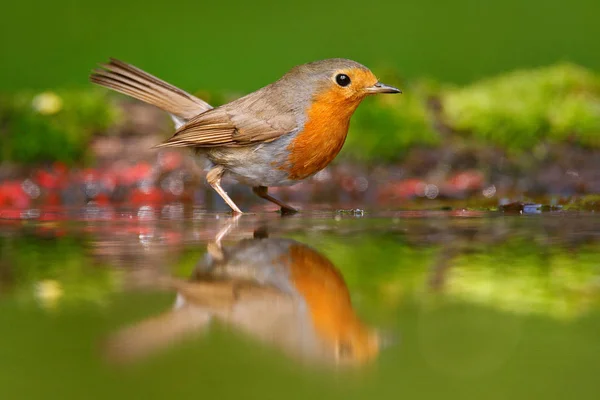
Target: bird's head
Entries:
(336, 81)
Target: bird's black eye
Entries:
(342, 80)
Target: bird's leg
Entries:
(214, 180)
(231, 223)
(263, 191)
(214, 248)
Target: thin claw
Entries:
(288, 211)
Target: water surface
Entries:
(176, 302)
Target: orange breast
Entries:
(328, 299)
(323, 135)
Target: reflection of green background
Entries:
(243, 45)
(452, 346)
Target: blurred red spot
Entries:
(47, 180)
(152, 195)
(11, 214)
(89, 175)
(12, 194)
(170, 160)
(404, 189)
(109, 180)
(466, 181)
(60, 168)
(52, 199)
(347, 183)
(102, 199)
(135, 173)
(172, 238)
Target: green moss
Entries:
(590, 202)
(549, 282)
(53, 126)
(517, 110)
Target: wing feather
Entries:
(247, 121)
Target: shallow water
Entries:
(176, 302)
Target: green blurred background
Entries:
(240, 46)
(431, 48)
(486, 83)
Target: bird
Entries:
(275, 136)
(278, 291)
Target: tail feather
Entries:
(134, 82)
(155, 333)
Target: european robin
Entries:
(278, 291)
(276, 136)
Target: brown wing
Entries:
(234, 125)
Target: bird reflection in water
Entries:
(279, 291)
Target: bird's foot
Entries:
(288, 211)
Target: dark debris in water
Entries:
(528, 208)
(357, 212)
(521, 208)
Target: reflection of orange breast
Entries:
(323, 135)
(326, 294)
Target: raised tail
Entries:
(134, 82)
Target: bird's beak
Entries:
(382, 88)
